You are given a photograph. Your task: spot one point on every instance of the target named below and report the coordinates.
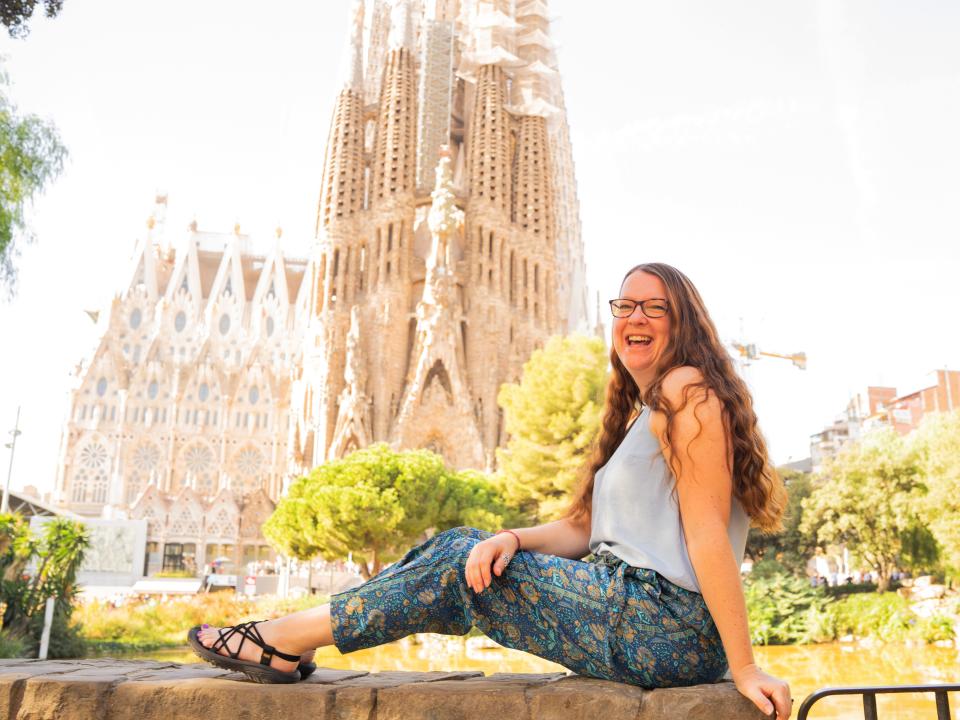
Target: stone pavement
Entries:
(108, 689)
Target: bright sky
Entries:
(799, 161)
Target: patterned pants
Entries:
(601, 619)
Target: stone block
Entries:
(393, 679)
(329, 675)
(185, 672)
(580, 698)
(11, 692)
(217, 699)
(71, 696)
(453, 700)
(699, 702)
(530, 678)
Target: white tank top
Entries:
(635, 514)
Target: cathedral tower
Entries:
(448, 239)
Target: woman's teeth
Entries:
(639, 339)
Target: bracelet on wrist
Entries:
(514, 535)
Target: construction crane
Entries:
(749, 352)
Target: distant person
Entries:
(678, 473)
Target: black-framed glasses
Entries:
(652, 308)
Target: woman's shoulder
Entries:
(679, 377)
(684, 389)
(679, 382)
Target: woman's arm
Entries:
(699, 453)
(567, 538)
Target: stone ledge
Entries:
(107, 689)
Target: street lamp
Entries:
(5, 505)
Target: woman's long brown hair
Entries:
(693, 342)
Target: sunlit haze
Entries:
(799, 161)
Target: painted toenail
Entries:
(204, 626)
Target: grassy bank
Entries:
(149, 626)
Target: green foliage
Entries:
(791, 547)
(839, 591)
(12, 646)
(14, 14)
(31, 155)
(37, 568)
(152, 625)
(919, 549)
(552, 417)
(868, 498)
(376, 503)
(935, 627)
(782, 608)
(937, 444)
(885, 616)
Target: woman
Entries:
(679, 472)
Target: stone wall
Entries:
(107, 689)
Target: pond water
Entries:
(805, 667)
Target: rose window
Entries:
(198, 459)
(93, 455)
(249, 462)
(146, 458)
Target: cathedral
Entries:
(447, 249)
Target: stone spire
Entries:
(376, 49)
(532, 182)
(394, 166)
(352, 67)
(436, 410)
(489, 143)
(341, 193)
(401, 26)
(352, 430)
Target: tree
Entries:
(31, 155)
(552, 417)
(35, 568)
(937, 444)
(868, 498)
(790, 547)
(376, 503)
(14, 14)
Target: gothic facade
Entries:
(474, 87)
(447, 249)
(179, 415)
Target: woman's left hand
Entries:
(760, 688)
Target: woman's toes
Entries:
(207, 636)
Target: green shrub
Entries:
(151, 625)
(885, 616)
(782, 608)
(933, 628)
(839, 591)
(12, 647)
(66, 640)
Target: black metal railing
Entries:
(870, 693)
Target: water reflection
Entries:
(806, 667)
(809, 667)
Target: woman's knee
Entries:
(456, 543)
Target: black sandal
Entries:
(306, 669)
(257, 671)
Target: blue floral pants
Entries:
(602, 619)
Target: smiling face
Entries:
(641, 341)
